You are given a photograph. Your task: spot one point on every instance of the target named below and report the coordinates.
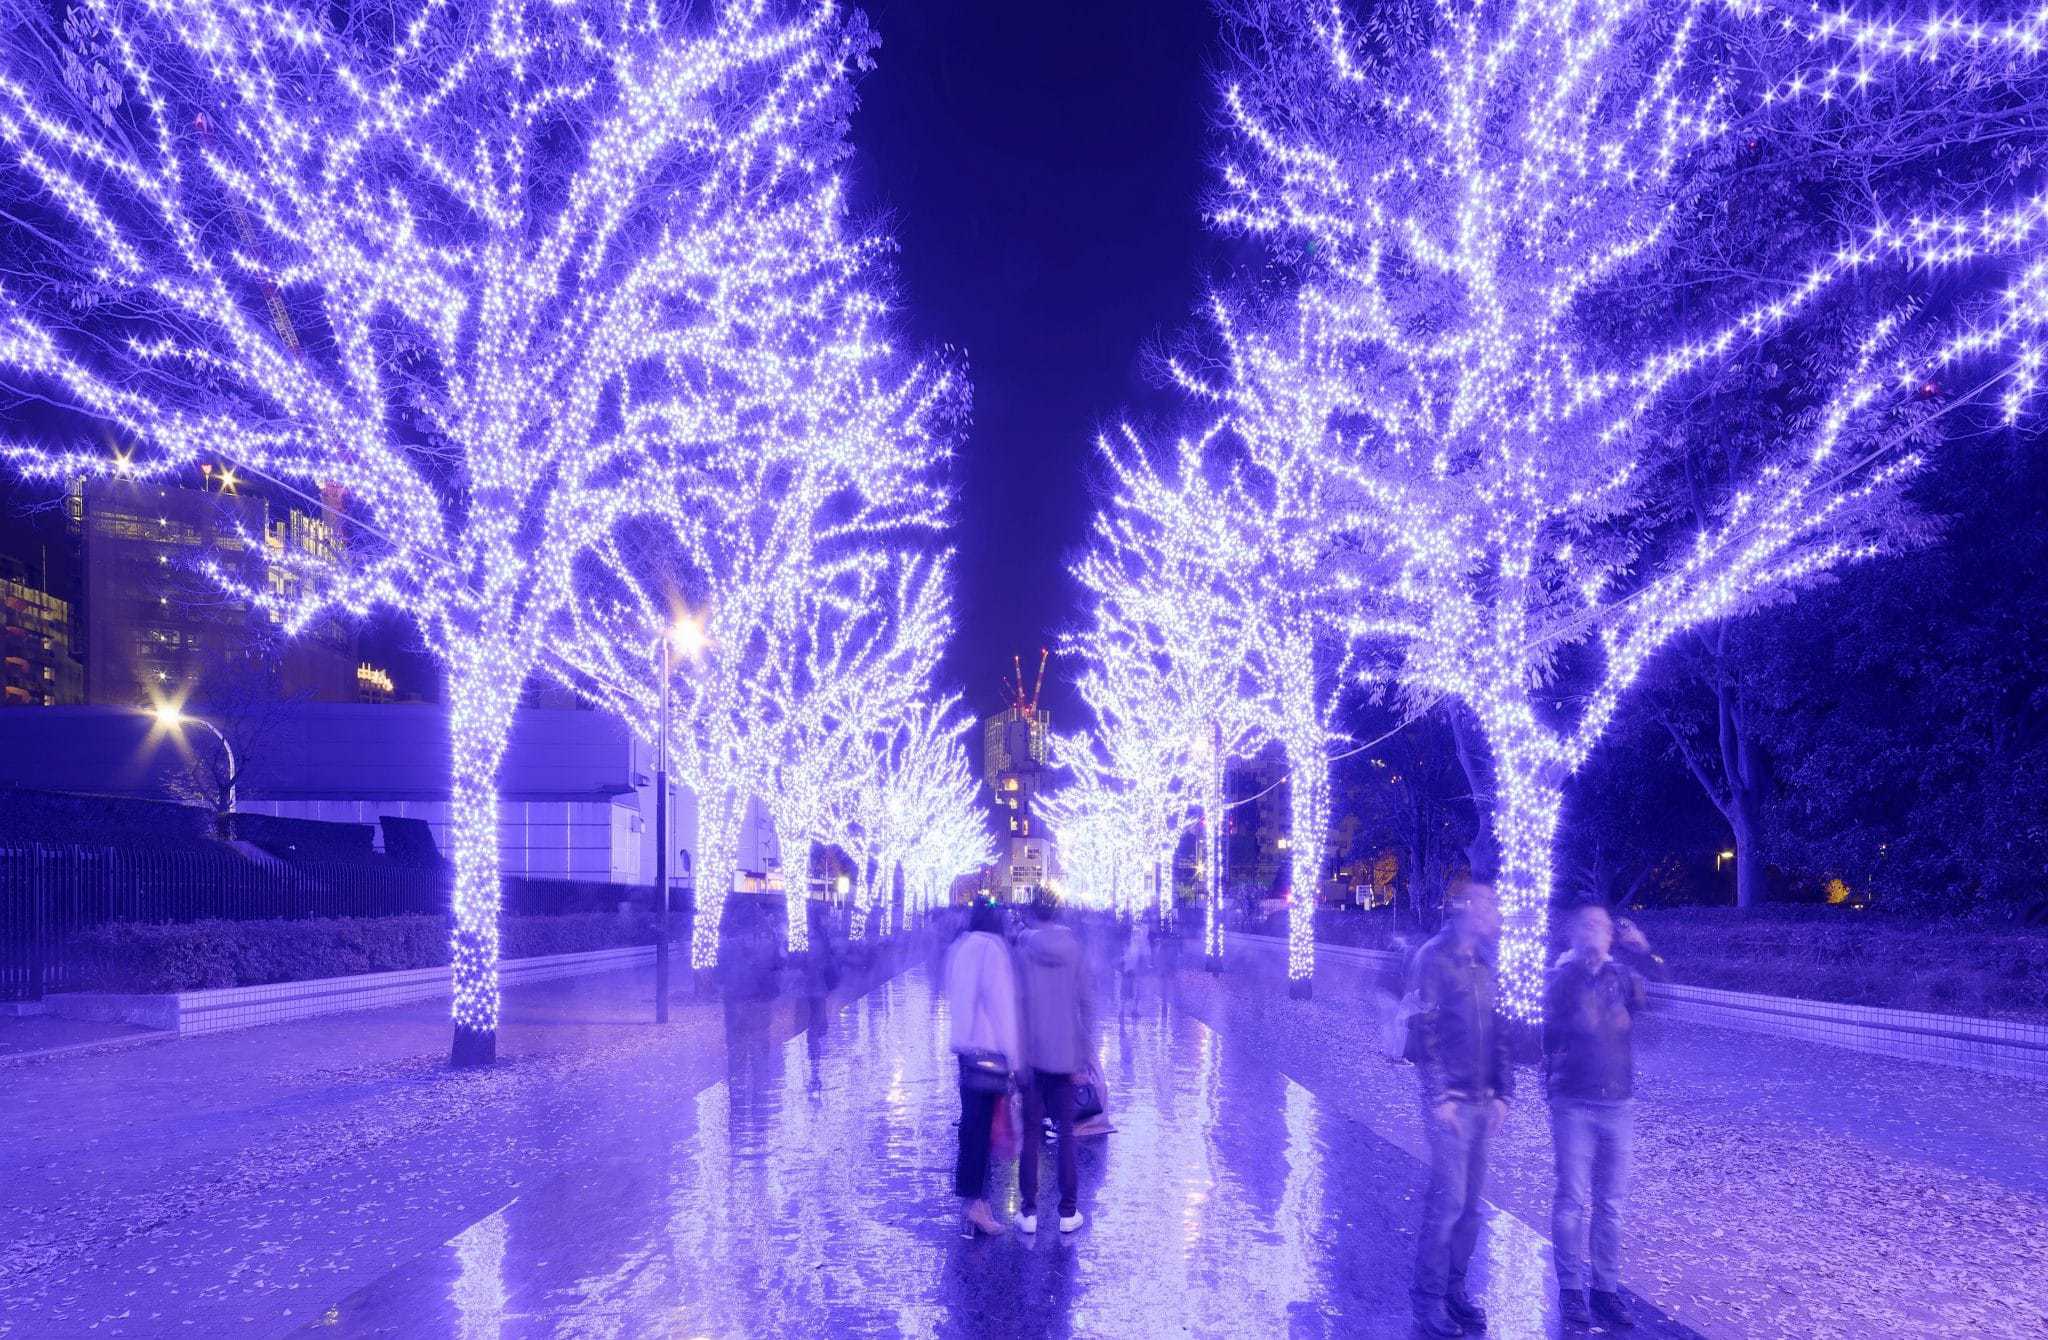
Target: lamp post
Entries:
(687, 636)
(172, 717)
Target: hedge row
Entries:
(1841, 954)
(153, 958)
(1858, 958)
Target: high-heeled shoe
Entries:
(977, 1221)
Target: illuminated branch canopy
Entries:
(1470, 203)
(509, 278)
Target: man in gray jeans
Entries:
(1059, 1028)
(1461, 1052)
(1590, 1006)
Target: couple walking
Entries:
(1021, 1020)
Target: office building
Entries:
(37, 667)
(157, 624)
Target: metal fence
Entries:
(50, 892)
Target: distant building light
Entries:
(373, 682)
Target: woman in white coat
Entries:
(981, 998)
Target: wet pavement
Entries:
(1782, 1189)
(808, 1194)
(781, 1167)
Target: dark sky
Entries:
(1041, 167)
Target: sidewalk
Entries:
(26, 1036)
(237, 1184)
(1783, 1188)
(808, 1195)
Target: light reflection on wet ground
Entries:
(808, 1195)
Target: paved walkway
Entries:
(807, 1195)
(781, 1168)
(238, 1184)
(1783, 1188)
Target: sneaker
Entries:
(1611, 1310)
(1464, 1311)
(1434, 1320)
(1027, 1222)
(1070, 1222)
(1571, 1306)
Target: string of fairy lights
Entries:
(571, 393)
(519, 368)
(1427, 448)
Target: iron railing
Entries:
(49, 892)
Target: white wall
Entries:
(758, 852)
(540, 839)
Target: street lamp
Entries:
(174, 718)
(687, 637)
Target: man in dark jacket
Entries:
(1461, 1051)
(1590, 1006)
(1059, 1030)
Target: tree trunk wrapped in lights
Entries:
(1504, 297)
(482, 271)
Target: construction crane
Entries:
(1027, 707)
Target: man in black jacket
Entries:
(1460, 1050)
(1590, 1006)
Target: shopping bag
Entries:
(1003, 1138)
(1087, 1099)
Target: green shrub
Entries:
(158, 957)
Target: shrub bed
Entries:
(1857, 958)
(155, 958)
(1847, 955)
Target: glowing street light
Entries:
(685, 636)
(174, 719)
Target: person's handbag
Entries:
(1087, 1099)
(1407, 1040)
(984, 1071)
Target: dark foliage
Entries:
(1905, 708)
(149, 958)
(1857, 957)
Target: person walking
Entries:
(981, 1005)
(1059, 1026)
(1137, 955)
(1591, 1002)
(1460, 1051)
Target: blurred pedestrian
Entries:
(1059, 1028)
(1137, 956)
(822, 967)
(1460, 1050)
(1590, 1006)
(981, 1001)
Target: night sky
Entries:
(1041, 167)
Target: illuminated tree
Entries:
(1135, 754)
(1180, 594)
(496, 274)
(912, 762)
(865, 655)
(1489, 219)
(943, 831)
(1086, 816)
